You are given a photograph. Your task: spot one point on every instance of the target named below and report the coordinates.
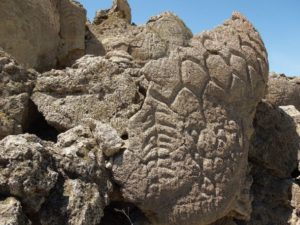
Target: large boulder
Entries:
(42, 31)
(187, 154)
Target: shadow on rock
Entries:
(273, 157)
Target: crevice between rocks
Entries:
(38, 125)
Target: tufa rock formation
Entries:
(149, 125)
(284, 90)
(44, 33)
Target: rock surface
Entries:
(44, 33)
(186, 160)
(283, 90)
(25, 170)
(274, 159)
(11, 212)
(153, 126)
(154, 40)
(16, 84)
(94, 87)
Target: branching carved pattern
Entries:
(188, 144)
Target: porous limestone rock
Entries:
(274, 160)
(42, 31)
(94, 87)
(16, 84)
(26, 170)
(154, 40)
(80, 151)
(186, 161)
(161, 122)
(11, 212)
(283, 90)
(85, 205)
(84, 186)
(275, 143)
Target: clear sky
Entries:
(278, 22)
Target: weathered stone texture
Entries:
(11, 213)
(154, 121)
(274, 161)
(16, 84)
(188, 145)
(25, 170)
(283, 90)
(42, 33)
(94, 87)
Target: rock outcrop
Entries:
(151, 126)
(154, 40)
(16, 85)
(43, 33)
(105, 89)
(283, 90)
(187, 153)
(274, 158)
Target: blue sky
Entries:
(278, 22)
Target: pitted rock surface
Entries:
(16, 84)
(160, 125)
(85, 203)
(26, 170)
(83, 188)
(154, 40)
(274, 158)
(94, 87)
(283, 90)
(11, 212)
(188, 145)
(44, 33)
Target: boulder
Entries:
(26, 170)
(274, 158)
(42, 32)
(186, 161)
(283, 90)
(154, 40)
(94, 87)
(84, 187)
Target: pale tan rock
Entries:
(94, 87)
(26, 170)
(295, 203)
(32, 38)
(283, 90)
(188, 145)
(84, 189)
(42, 31)
(72, 32)
(16, 84)
(85, 205)
(153, 40)
(11, 213)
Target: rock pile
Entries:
(150, 124)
